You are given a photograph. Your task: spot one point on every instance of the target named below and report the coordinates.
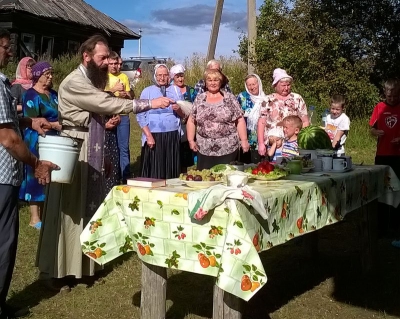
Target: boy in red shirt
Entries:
(385, 125)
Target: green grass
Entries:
(298, 287)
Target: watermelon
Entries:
(313, 137)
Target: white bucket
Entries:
(62, 151)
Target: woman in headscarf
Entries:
(251, 101)
(23, 80)
(177, 75)
(38, 101)
(161, 130)
(280, 104)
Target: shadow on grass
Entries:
(135, 167)
(36, 292)
(190, 293)
(292, 272)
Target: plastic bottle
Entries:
(324, 115)
(312, 115)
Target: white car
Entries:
(134, 67)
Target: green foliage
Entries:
(301, 40)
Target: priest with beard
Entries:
(82, 104)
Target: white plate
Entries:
(202, 184)
(341, 171)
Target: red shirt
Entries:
(386, 118)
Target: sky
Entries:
(177, 29)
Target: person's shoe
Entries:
(56, 285)
(13, 312)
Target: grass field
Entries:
(330, 286)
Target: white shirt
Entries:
(333, 125)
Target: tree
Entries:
(300, 38)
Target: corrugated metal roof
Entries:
(77, 11)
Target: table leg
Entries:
(368, 235)
(310, 244)
(226, 305)
(154, 292)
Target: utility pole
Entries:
(214, 30)
(140, 43)
(251, 32)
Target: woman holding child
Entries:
(280, 104)
(220, 124)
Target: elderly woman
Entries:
(251, 101)
(218, 123)
(38, 101)
(280, 104)
(23, 80)
(177, 75)
(161, 130)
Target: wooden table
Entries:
(152, 221)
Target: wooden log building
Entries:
(56, 27)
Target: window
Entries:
(29, 41)
(73, 46)
(47, 46)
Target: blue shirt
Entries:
(159, 120)
(247, 105)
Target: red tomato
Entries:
(254, 171)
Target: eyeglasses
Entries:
(48, 75)
(161, 75)
(6, 47)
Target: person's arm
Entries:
(191, 132)
(242, 131)
(17, 148)
(272, 149)
(260, 135)
(337, 138)
(302, 112)
(80, 93)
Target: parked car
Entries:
(134, 67)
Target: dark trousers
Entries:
(9, 227)
(389, 217)
(123, 133)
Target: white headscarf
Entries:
(257, 100)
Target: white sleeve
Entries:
(344, 124)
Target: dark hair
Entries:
(338, 99)
(113, 55)
(297, 122)
(4, 34)
(89, 45)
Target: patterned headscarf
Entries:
(38, 69)
(21, 76)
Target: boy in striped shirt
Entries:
(292, 125)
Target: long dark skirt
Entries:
(112, 152)
(163, 160)
(206, 162)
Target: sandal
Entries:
(38, 225)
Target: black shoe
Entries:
(13, 312)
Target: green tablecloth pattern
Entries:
(225, 244)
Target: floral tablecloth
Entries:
(225, 244)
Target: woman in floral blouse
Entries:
(251, 101)
(218, 123)
(280, 104)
